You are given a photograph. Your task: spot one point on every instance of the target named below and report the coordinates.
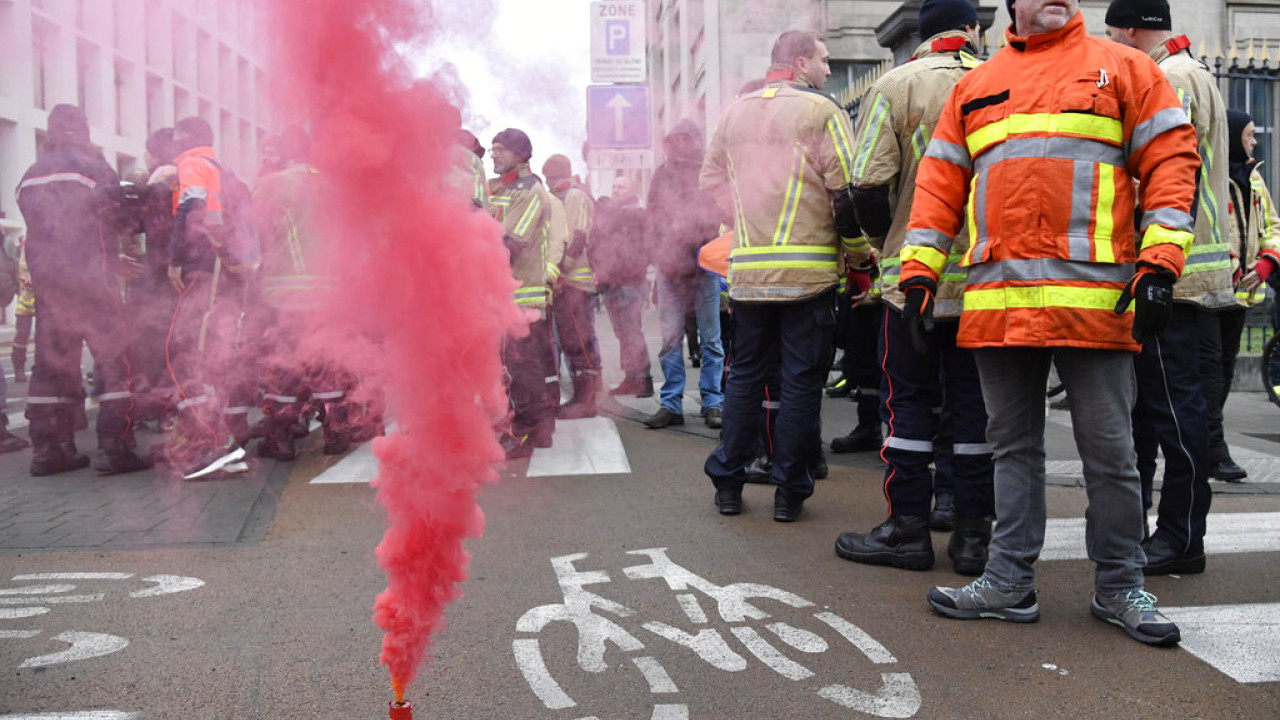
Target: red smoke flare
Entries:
(425, 290)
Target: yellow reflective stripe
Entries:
(858, 244)
(870, 134)
(844, 151)
(553, 271)
(933, 258)
(1094, 127)
(1157, 234)
(1103, 215)
(971, 210)
(795, 186)
(530, 213)
(1044, 296)
(793, 256)
(770, 92)
(739, 215)
(920, 141)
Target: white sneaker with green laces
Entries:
(1136, 612)
(981, 599)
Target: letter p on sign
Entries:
(618, 37)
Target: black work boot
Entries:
(864, 438)
(583, 404)
(279, 441)
(337, 429)
(51, 458)
(902, 541)
(943, 516)
(116, 457)
(968, 544)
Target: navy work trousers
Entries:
(796, 340)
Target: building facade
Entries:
(134, 66)
(702, 51)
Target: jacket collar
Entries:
(779, 74)
(940, 44)
(1170, 47)
(1074, 30)
(200, 151)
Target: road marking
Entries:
(84, 645)
(82, 715)
(167, 585)
(37, 589)
(358, 467)
(75, 576)
(55, 600)
(1239, 640)
(1227, 533)
(18, 634)
(590, 446)
(898, 697)
(19, 613)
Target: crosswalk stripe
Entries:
(1238, 640)
(590, 446)
(1227, 533)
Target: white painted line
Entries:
(1263, 469)
(18, 634)
(167, 585)
(656, 675)
(859, 638)
(1227, 533)
(802, 640)
(590, 446)
(769, 655)
(84, 645)
(1238, 640)
(55, 600)
(358, 467)
(898, 697)
(37, 590)
(529, 660)
(75, 576)
(19, 613)
(82, 715)
(670, 712)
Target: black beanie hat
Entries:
(1236, 123)
(938, 16)
(1146, 14)
(515, 141)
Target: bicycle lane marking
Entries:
(896, 697)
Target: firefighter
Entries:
(70, 202)
(1040, 146)
(779, 164)
(574, 288)
(919, 357)
(522, 204)
(201, 347)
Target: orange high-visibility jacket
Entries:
(1038, 148)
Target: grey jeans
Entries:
(1102, 389)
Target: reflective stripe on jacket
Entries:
(1254, 234)
(899, 114)
(294, 254)
(780, 150)
(1206, 277)
(523, 206)
(1039, 146)
(580, 211)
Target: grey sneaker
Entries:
(980, 599)
(1135, 611)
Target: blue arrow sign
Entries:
(618, 116)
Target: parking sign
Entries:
(618, 42)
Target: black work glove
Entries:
(919, 310)
(1152, 295)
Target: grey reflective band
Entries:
(236, 410)
(287, 399)
(973, 448)
(771, 405)
(1032, 270)
(781, 256)
(979, 201)
(35, 400)
(1054, 148)
(898, 443)
(1207, 258)
(333, 395)
(199, 400)
(927, 237)
(108, 397)
(1169, 217)
(949, 152)
(1081, 212)
(1161, 122)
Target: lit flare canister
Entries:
(401, 710)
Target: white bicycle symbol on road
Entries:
(897, 697)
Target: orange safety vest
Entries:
(1038, 149)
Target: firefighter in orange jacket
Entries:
(1039, 148)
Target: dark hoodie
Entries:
(682, 218)
(1240, 163)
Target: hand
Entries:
(175, 278)
(1250, 282)
(1151, 292)
(919, 310)
(857, 285)
(128, 267)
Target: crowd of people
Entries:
(190, 289)
(1074, 204)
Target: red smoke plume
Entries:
(422, 276)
